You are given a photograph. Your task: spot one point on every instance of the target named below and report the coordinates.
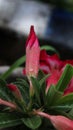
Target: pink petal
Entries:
(53, 79)
(24, 71)
(45, 68)
(53, 62)
(43, 55)
(69, 89)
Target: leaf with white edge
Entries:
(23, 81)
(23, 86)
(65, 108)
(59, 112)
(42, 83)
(65, 78)
(44, 79)
(52, 96)
(71, 113)
(65, 100)
(9, 120)
(36, 87)
(33, 122)
(40, 75)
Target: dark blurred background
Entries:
(52, 19)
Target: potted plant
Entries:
(43, 98)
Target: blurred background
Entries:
(52, 20)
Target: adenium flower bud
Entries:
(15, 90)
(62, 123)
(32, 54)
(59, 122)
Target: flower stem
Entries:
(42, 114)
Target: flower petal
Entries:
(53, 79)
(52, 62)
(69, 89)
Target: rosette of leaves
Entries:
(52, 102)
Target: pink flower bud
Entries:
(15, 90)
(32, 54)
(59, 122)
(62, 123)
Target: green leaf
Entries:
(65, 108)
(65, 100)
(59, 112)
(52, 96)
(65, 78)
(71, 113)
(49, 48)
(32, 122)
(42, 83)
(43, 79)
(24, 89)
(36, 87)
(9, 120)
(23, 82)
(40, 75)
(14, 66)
